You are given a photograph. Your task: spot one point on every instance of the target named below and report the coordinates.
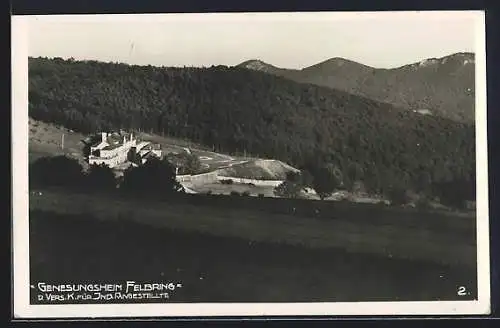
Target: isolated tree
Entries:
(291, 187)
(156, 176)
(288, 189)
(192, 164)
(61, 171)
(187, 163)
(100, 177)
(325, 182)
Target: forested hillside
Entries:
(236, 109)
(445, 86)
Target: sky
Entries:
(288, 40)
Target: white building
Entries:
(113, 149)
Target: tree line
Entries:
(156, 176)
(328, 179)
(235, 110)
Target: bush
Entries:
(101, 178)
(455, 193)
(325, 181)
(234, 193)
(288, 189)
(187, 163)
(226, 181)
(245, 193)
(56, 171)
(156, 176)
(261, 195)
(398, 196)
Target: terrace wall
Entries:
(262, 183)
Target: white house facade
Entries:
(113, 149)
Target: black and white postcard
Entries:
(250, 164)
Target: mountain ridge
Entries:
(334, 59)
(444, 85)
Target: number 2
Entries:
(461, 291)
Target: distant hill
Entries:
(442, 86)
(236, 110)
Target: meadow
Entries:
(248, 253)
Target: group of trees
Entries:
(187, 163)
(324, 180)
(156, 176)
(239, 110)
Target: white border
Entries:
(23, 310)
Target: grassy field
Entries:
(354, 228)
(227, 249)
(218, 188)
(82, 248)
(46, 140)
(259, 169)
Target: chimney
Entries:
(124, 139)
(103, 136)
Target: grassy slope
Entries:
(45, 140)
(223, 269)
(286, 258)
(439, 238)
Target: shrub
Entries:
(261, 195)
(100, 177)
(245, 193)
(288, 189)
(156, 176)
(325, 181)
(56, 171)
(226, 181)
(398, 196)
(234, 193)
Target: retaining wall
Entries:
(209, 177)
(262, 183)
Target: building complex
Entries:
(114, 149)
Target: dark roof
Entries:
(114, 146)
